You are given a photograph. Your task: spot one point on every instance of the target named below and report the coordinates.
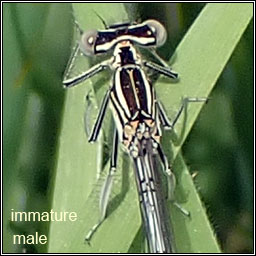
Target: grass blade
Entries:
(201, 57)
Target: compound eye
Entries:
(158, 30)
(87, 42)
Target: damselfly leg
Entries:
(156, 55)
(167, 124)
(184, 104)
(161, 70)
(96, 128)
(86, 75)
(106, 188)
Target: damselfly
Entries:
(138, 118)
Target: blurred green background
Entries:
(37, 42)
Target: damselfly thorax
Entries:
(132, 98)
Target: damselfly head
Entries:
(158, 31)
(88, 41)
(147, 34)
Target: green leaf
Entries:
(194, 233)
(78, 161)
(34, 56)
(200, 59)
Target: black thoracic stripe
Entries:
(128, 92)
(141, 90)
(121, 80)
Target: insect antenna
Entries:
(102, 20)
